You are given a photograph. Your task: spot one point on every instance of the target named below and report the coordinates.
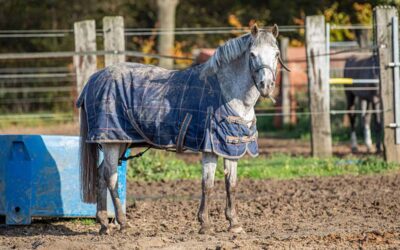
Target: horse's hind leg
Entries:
(209, 164)
(230, 167)
(352, 117)
(101, 214)
(112, 153)
(376, 106)
(366, 119)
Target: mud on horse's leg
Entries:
(230, 169)
(101, 214)
(209, 164)
(112, 153)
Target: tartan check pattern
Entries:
(136, 103)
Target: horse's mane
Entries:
(233, 49)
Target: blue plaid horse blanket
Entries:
(136, 103)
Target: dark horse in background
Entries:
(364, 67)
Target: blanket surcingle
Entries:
(136, 103)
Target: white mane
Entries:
(224, 54)
(233, 49)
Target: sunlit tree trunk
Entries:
(166, 20)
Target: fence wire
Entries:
(60, 74)
(331, 112)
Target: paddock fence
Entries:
(45, 85)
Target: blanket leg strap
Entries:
(182, 133)
(124, 158)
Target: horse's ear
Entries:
(254, 30)
(275, 30)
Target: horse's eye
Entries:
(252, 55)
(277, 54)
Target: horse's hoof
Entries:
(112, 226)
(125, 226)
(236, 229)
(104, 231)
(204, 230)
(354, 149)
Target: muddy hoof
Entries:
(104, 231)
(236, 229)
(125, 226)
(204, 230)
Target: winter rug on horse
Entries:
(207, 108)
(364, 67)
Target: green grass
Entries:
(34, 119)
(159, 165)
(85, 221)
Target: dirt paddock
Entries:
(335, 212)
(359, 212)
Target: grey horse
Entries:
(207, 108)
(364, 67)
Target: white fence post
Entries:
(114, 39)
(383, 16)
(318, 86)
(85, 41)
(285, 83)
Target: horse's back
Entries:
(361, 67)
(122, 73)
(138, 103)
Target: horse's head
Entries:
(263, 59)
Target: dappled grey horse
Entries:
(364, 67)
(207, 108)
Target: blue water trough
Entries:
(39, 177)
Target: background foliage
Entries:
(61, 14)
(52, 14)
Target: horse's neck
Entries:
(238, 88)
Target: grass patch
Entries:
(160, 165)
(35, 119)
(85, 221)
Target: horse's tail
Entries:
(89, 156)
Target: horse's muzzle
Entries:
(266, 88)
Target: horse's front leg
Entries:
(230, 170)
(209, 164)
(112, 153)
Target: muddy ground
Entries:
(336, 212)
